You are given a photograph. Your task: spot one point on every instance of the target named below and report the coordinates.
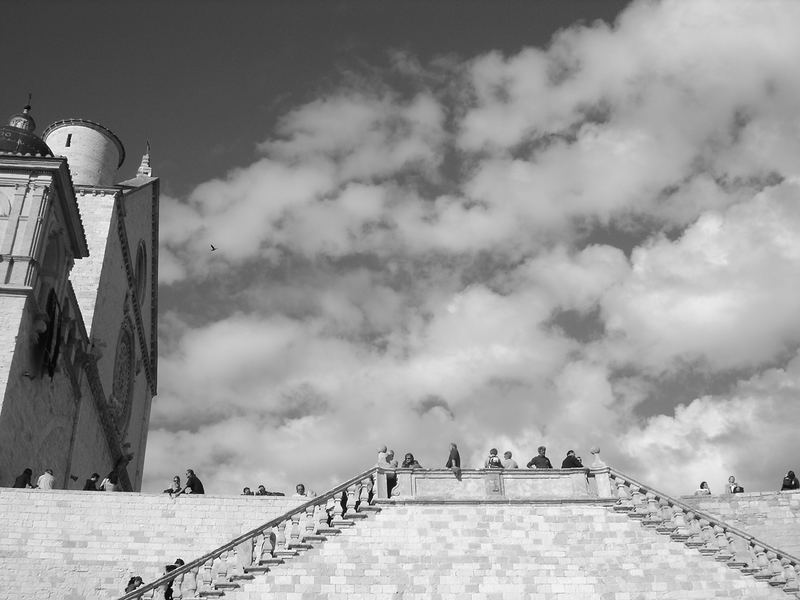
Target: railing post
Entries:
(762, 563)
(323, 516)
(338, 513)
(266, 546)
(682, 531)
(189, 583)
(665, 513)
(294, 532)
(309, 521)
(791, 575)
(381, 487)
(653, 517)
(623, 498)
(778, 578)
(220, 569)
(366, 488)
(723, 552)
(177, 592)
(206, 576)
(350, 497)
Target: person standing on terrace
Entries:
(493, 461)
(508, 462)
(540, 461)
(571, 461)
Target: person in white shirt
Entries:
(508, 462)
(46, 480)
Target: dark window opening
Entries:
(69, 140)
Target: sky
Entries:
(500, 224)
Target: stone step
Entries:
(473, 551)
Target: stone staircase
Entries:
(634, 544)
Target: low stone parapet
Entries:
(499, 484)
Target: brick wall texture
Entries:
(773, 517)
(58, 545)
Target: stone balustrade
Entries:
(267, 545)
(710, 536)
(500, 484)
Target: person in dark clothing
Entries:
(454, 459)
(23, 480)
(91, 483)
(790, 482)
(540, 461)
(571, 461)
(168, 592)
(193, 484)
(409, 462)
(134, 582)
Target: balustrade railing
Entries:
(711, 536)
(267, 544)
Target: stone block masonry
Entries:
(771, 516)
(498, 551)
(64, 545)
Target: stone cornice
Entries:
(65, 192)
(154, 285)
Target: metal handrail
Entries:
(710, 518)
(199, 562)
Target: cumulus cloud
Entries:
(540, 250)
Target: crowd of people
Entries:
(260, 491)
(386, 459)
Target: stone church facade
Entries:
(78, 303)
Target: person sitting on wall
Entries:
(703, 490)
(46, 480)
(111, 482)
(193, 484)
(790, 482)
(175, 488)
(493, 461)
(508, 462)
(733, 487)
(571, 461)
(540, 461)
(409, 462)
(300, 491)
(247, 492)
(90, 485)
(23, 480)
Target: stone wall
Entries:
(69, 545)
(480, 551)
(773, 517)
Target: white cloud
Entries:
(724, 294)
(396, 267)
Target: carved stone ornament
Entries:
(119, 401)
